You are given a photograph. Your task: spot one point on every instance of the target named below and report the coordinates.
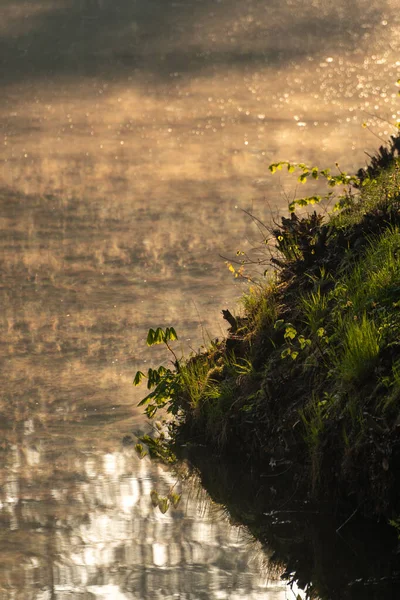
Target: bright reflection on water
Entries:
(132, 132)
(77, 522)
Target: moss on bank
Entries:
(309, 376)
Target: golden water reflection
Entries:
(77, 522)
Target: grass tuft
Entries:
(360, 350)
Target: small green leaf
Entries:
(303, 342)
(304, 202)
(277, 166)
(290, 332)
(140, 451)
(303, 177)
(286, 352)
(294, 354)
(321, 332)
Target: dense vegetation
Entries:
(308, 379)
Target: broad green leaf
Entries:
(294, 354)
(154, 498)
(150, 337)
(150, 379)
(303, 201)
(151, 411)
(172, 335)
(175, 499)
(163, 504)
(144, 401)
(286, 352)
(159, 337)
(138, 377)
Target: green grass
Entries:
(319, 346)
(314, 307)
(195, 380)
(360, 350)
(375, 279)
(313, 418)
(261, 307)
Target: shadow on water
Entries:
(84, 37)
(329, 557)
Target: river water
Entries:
(133, 135)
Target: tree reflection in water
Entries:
(322, 554)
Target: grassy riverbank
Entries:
(308, 379)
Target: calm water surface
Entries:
(132, 133)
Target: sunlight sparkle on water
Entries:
(107, 592)
(131, 135)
